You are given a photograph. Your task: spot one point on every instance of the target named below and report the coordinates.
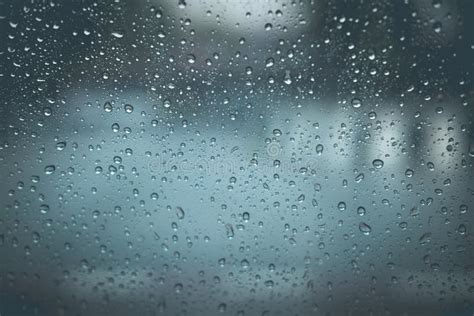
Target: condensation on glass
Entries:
(238, 157)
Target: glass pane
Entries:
(236, 157)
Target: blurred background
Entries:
(236, 157)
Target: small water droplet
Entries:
(191, 59)
(222, 308)
(108, 107)
(117, 34)
(44, 208)
(341, 206)
(180, 212)
(50, 169)
(166, 103)
(425, 238)
(356, 103)
(229, 231)
(270, 62)
(365, 228)
(319, 149)
(60, 146)
(287, 78)
(128, 108)
(182, 4)
(377, 163)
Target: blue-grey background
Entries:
(225, 157)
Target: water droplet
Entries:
(436, 4)
(50, 169)
(229, 231)
(359, 177)
(44, 208)
(115, 127)
(222, 308)
(182, 4)
(356, 103)
(244, 264)
(191, 59)
(221, 262)
(425, 238)
(180, 212)
(166, 103)
(178, 287)
(161, 34)
(108, 107)
(36, 237)
(117, 34)
(128, 108)
(365, 228)
(377, 163)
(319, 149)
(287, 78)
(341, 206)
(60, 146)
(270, 62)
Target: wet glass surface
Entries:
(236, 157)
